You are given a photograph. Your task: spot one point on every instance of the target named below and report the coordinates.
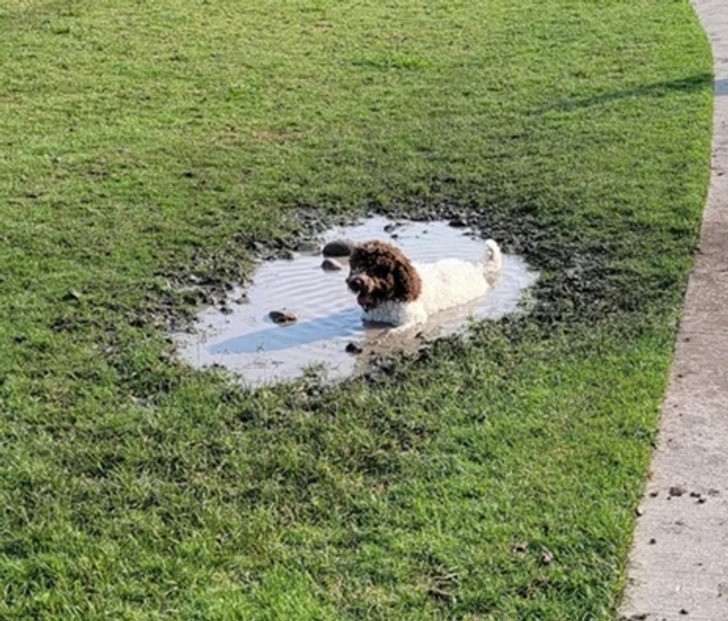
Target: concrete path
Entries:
(679, 562)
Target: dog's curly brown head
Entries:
(381, 272)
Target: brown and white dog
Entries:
(393, 290)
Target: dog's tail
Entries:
(493, 259)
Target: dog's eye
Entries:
(355, 283)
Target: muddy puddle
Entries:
(328, 334)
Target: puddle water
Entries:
(245, 340)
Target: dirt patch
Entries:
(577, 282)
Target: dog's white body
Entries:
(445, 284)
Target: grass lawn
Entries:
(143, 144)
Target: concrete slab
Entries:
(679, 560)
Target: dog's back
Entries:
(452, 282)
(446, 283)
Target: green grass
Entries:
(145, 142)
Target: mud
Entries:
(328, 334)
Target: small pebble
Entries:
(338, 248)
(282, 317)
(72, 295)
(353, 348)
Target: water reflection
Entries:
(342, 325)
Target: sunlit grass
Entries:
(497, 478)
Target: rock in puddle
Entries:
(282, 317)
(393, 226)
(353, 348)
(338, 248)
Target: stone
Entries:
(282, 317)
(338, 248)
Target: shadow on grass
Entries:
(692, 83)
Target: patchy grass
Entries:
(494, 479)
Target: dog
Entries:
(392, 290)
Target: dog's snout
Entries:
(355, 283)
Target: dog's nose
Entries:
(355, 283)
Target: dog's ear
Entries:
(407, 282)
